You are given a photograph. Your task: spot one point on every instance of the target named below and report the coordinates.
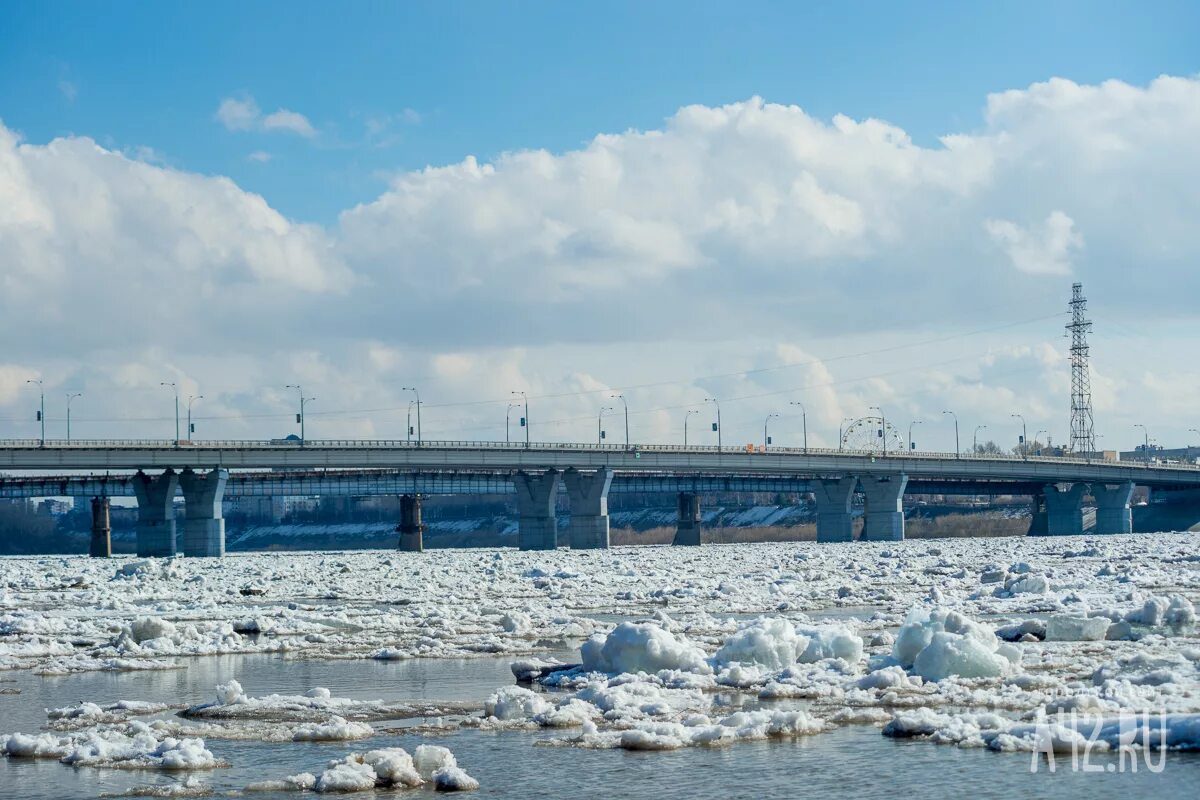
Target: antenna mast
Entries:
(1083, 437)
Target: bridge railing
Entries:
(392, 444)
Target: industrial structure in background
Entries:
(1083, 435)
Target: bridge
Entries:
(203, 472)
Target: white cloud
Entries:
(1044, 252)
(243, 114)
(259, 157)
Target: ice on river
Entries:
(956, 641)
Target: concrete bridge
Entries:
(536, 473)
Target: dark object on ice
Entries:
(530, 677)
(253, 591)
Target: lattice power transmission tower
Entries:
(1083, 436)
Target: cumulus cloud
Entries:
(243, 114)
(1046, 251)
(729, 239)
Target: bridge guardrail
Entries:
(372, 444)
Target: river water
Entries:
(850, 762)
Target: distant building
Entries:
(1186, 455)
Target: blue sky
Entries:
(483, 78)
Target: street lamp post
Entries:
(766, 437)
(303, 401)
(41, 415)
(621, 397)
(600, 424)
(685, 422)
(1197, 432)
(524, 419)
(1024, 436)
(408, 428)
(715, 402)
(70, 397)
(418, 396)
(1146, 442)
(882, 426)
(1037, 439)
(911, 445)
(975, 439)
(507, 419)
(957, 449)
(175, 389)
(191, 400)
(803, 421)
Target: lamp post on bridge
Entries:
(70, 397)
(975, 439)
(911, 445)
(1039, 441)
(715, 402)
(841, 427)
(1193, 430)
(524, 419)
(507, 419)
(767, 438)
(685, 422)
(191, 400)
(174, 389)
(882, 426)
(303, 401)
(418, 396)
(41, 414)
(408, 428)
(957, 449)
(1146, 443)
(600, 424)
(1024, 436)
(803, 421)
(621, 397)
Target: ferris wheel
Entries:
(873, 435)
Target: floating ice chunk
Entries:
(1028, 584)
(319, 692)
(146, 628)
(45, 745)
(336, 729)
(454, 779)
(831, 641)
(349, 775)
(302, 782)
(141, 750)
(771, 643)
(231, 693)
(1180, 615)
(1063, 628)
(515, 622)
(515, 702)
(886, 678)
(429, 758)
(942, 644)
(642, 647)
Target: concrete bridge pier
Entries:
(1113, 512)
(156, 513)
(101, 545)
(588, 493)
(688, 528)
(411, 529)
(203, 523)
(1038, 525)
(537, 528)
(833, 498)
(884, 519)
(1064, 510)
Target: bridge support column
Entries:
(203, 523)
(1064, 510)
(885, 507)
(833, 497)
(156, 513)
(1113, 513)
(588, 493)
(411, 530)
(101, 545)
(1038, 525)
(537, 528)
(688, 527)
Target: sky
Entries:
(843, 206)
